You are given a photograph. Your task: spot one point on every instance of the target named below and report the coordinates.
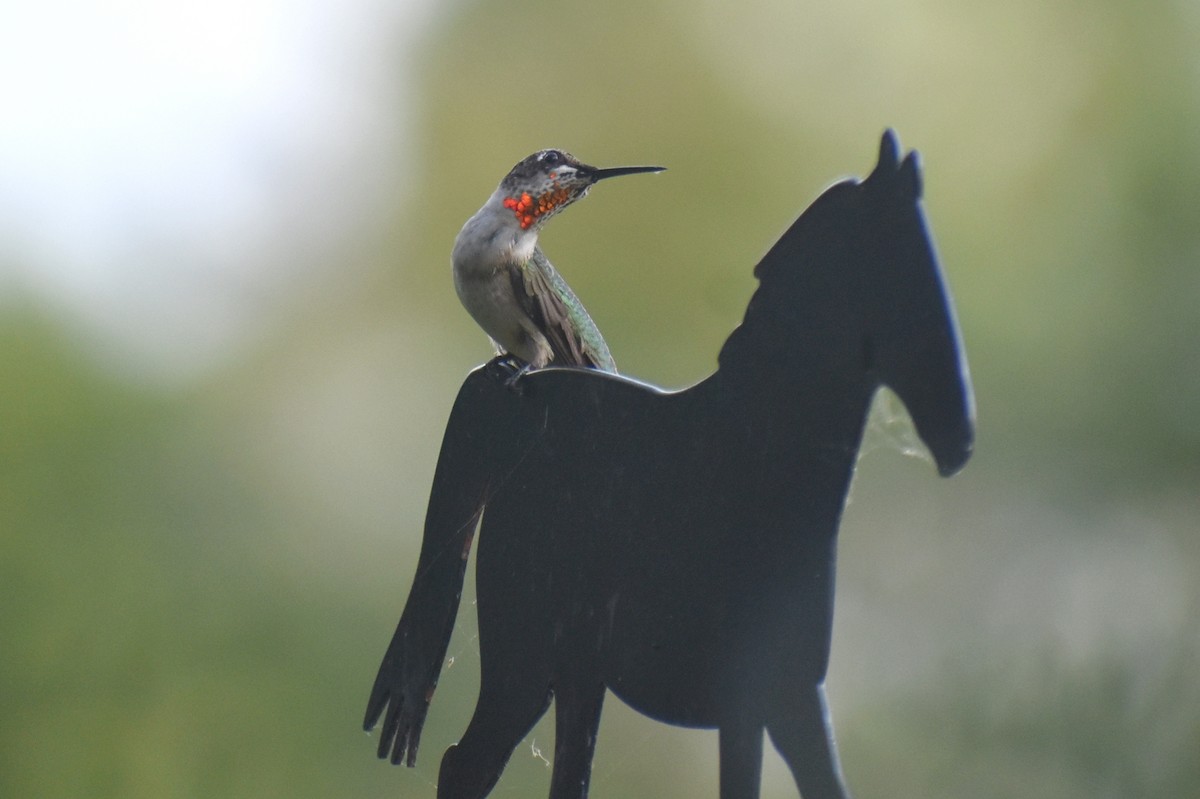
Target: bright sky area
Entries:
(135, 131)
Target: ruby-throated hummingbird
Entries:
(509, 286)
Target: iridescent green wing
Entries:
(558, 313)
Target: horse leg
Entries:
(577, 721)
(800, 729)
(741, 744)
(505, 713)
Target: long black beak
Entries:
(601, 174)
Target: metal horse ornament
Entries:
(677, 547)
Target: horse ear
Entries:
(910, 174)
(889, 153)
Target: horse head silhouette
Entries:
(678, 548)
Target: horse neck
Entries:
(812, 406)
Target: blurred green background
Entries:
(229, 344)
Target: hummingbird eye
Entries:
(551, 157)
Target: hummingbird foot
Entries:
(512, 383)
(509, 369)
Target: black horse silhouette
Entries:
(677, 548)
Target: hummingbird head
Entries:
(548, 181)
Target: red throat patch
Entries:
(528, 210)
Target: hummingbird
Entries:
(505, 280)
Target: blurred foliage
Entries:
(198, 581)
(1097, 730)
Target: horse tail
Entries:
(409, 672)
